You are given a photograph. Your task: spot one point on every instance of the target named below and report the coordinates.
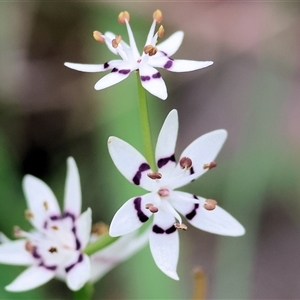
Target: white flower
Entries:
(55, 247)
(153, 56)
(162, 200)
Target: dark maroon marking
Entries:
(170, 230)
(157, 229)
(156, 75)
(164, 53)
(78, 244)
(68, 215)
(45, 224)
(193, 213)
(55, 218)
(195, 197)
(114, 70)
(80, 259)
(137, 177)
(137, 205)
(124, 71)
(168, 64)
(192, 171)
(145, 78)
(35, 253)
(106, 65)
(51, 268)
(163, 161)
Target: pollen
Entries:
(151, 207)
(210, 165)
(161, 31)
(98, 36)
(154, 175)
(180, 226)
(54, 227)
(52, 249)
(124, 15)
(157, 16)
(116, 41)
(210, 204)
(151, 50)
(185, 163)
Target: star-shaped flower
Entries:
(55, 247)
(153, 56)
(162, 200)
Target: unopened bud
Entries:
(161, 31)
(185, 163)
(99, 228)
(180, 226)
(210, 165)
(151, 207)
(124, 15)
(157, 16)
(116, 41)
(154, 175)
(98, 36)
(210, 204)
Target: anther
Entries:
(124, 15)
(151, 207)
(161, 31)
(28, 214)
(151, 50)
(54, 227)
(29, 246)
(46, 206)
(52, 249)
(17, 232)
(210, 165)
(154, 175)
(185, 163)
(116, 41)
(99, 228)
(180, 226)
(157, 16)
(163, 192)
(98, 36)
(210, 204)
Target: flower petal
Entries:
(179, 65)
(164, 243)
(14, 253)
(132, 42)
(169, 46)
(166, 142)
(40, 200)
(201, 151)
(152, 81)
(132, 215)
(30, 279)
(79, 274)
(126, 246)
(130, 163)
(216, 221)
(83, 227)
(72, 202)
(93, 68)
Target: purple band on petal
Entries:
(171, 230)
(35, 253)
(145, 78)
(106, 65)
(124, 71)
(51, 268)
(78, 244)
(68, 215)
(55, 218)
(137, 205)
(80, 259)
(137, 177)
(159, 230)
(114, 70)
(156, 75)
(168, 64)
(163, 161)
(193, 213)
(192, 171)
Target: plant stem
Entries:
(99, 244)
(145, 124)
(85, 292)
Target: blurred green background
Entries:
(49, 112)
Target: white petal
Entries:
(171, 44)
(40, 200)
(30, 279)
(14, 253)
(150, 33)
(130, 163)
(132, 40)
(132, 215)
(164, 243)
(4, 238)
(126, 246)
(83, 227)
(93, 68)
(216, 221)
(72, 203)
(201, 151)
(179, 65)
(166, 142)
(79, 274)
(152, 81)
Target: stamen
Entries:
(124, 15)
(46, 206)
(210, 204)
(151, 207)
(157, 16)
(29, 246)
(180, 226)
(98, 36)
(154, 175)
(54, 227)
(116, 41)
(18, 233)
(151, 50)
(99, 228)
(28, 214)
(163, 192)
(161, 31)
(185, 163)
(52, 249)
(210, 165)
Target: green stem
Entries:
(85, 292)
(99, 244)
(146, 132)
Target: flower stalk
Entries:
(99, 244)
